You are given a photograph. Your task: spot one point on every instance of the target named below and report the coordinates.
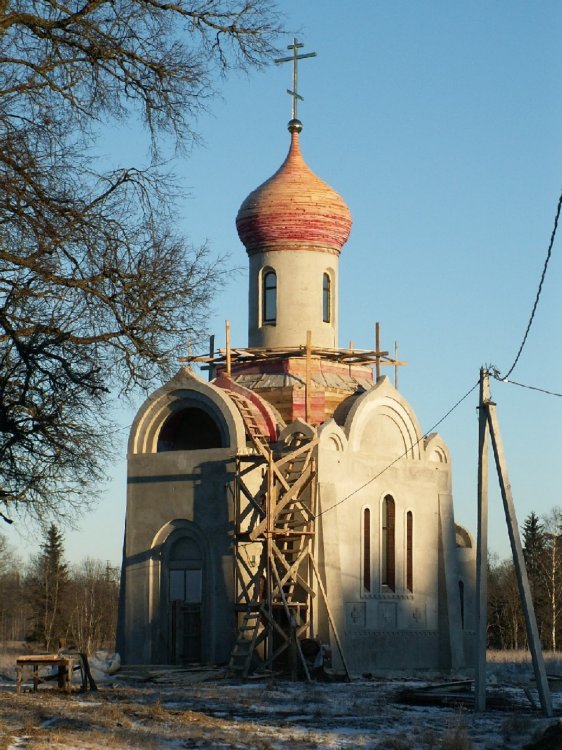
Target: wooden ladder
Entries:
(249, 636)
(247, 411)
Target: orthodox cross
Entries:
(294, 58)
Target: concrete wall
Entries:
(379, 451)
(299, 299)
(171, 495)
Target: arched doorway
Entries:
(184, 586)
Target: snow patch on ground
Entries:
(178, 709)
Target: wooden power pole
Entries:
(488, 425)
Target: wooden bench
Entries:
(64, 663)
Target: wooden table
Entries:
(64, 663)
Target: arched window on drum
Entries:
(326, 298)
(269, 296)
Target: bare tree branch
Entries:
(97, 289)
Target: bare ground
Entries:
(171, 710)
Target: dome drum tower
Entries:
(293, 227)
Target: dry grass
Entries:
(456, 739)
(184, 711)
(521, 656)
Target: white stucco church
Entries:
(293, 495)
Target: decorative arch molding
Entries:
(176, 527)
(332, 437)
(298, 427)
(382, 421)
(185, 390)
(436, 449)
(463, 538)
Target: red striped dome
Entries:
(294, 210)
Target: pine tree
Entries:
(47, 586)
(533, 544)
(535, 552)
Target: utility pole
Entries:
(488, 424)
(482, 547)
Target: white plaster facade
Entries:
(300, 299)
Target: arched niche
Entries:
(436, 450)
(187, 414)
(190, 428)
(382, 423)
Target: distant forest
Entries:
(46, 599)
(542, 548)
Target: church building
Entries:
(292, 497)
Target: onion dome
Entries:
(294, 209)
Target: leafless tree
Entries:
(551, 568)
(14, 611)
(506, 627)
(94, 591)
(97, 288)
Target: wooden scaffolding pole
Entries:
(227, 345)
(378, 348)
(489, 416)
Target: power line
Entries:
(549, 253)
(497, 376)
(413, 445)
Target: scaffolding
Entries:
(276, 575)
(278, 586)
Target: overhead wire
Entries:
(501, 379)
(402, 455)
(533, 311)
(494, 372)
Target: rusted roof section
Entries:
(294, 210)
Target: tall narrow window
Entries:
(269, 297)
(461, 595)
(387, 543)
(326, 298)
(367, 549)
(410, 551)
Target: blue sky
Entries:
(440, 123)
